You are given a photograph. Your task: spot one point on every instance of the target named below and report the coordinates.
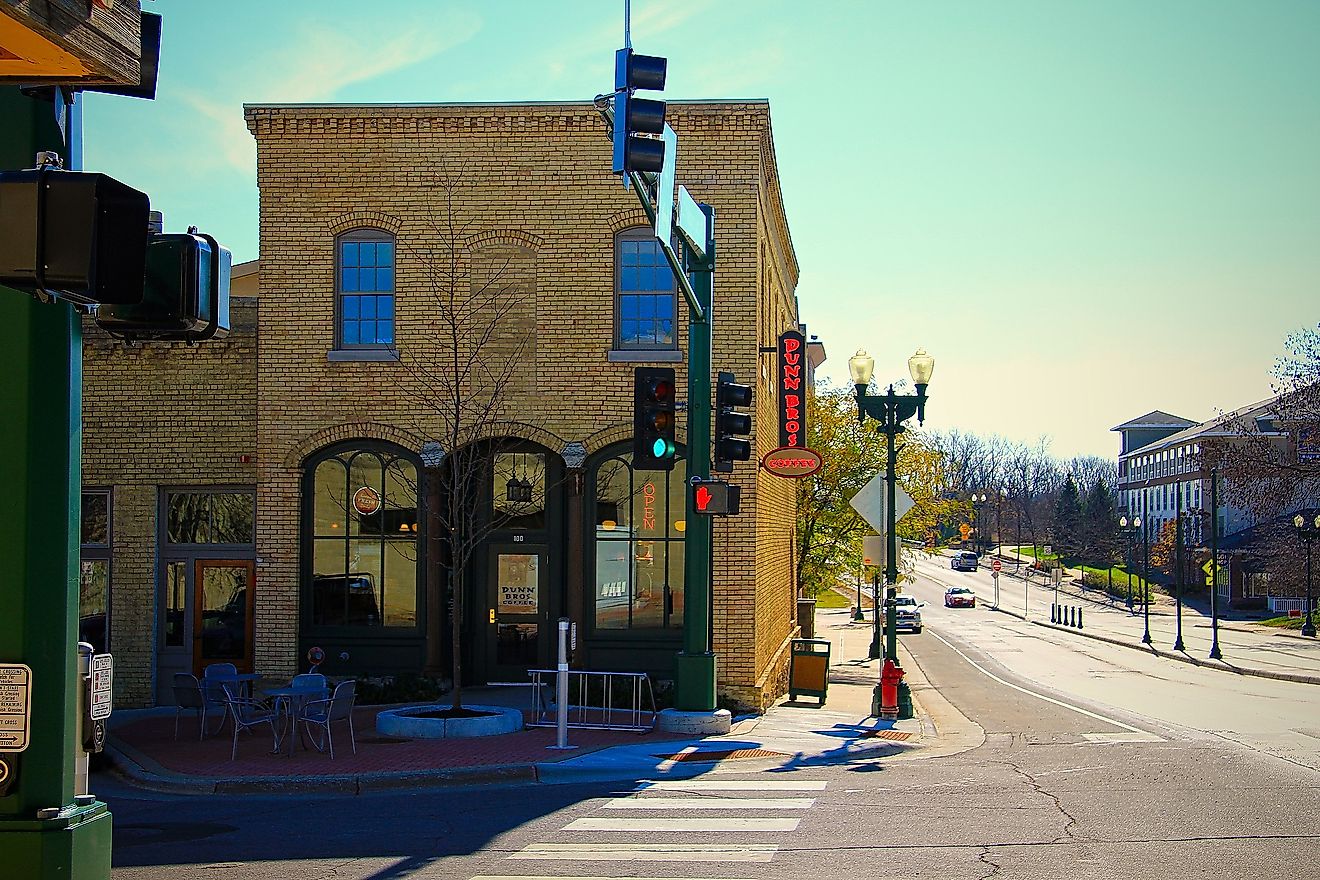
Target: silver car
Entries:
(909, 614)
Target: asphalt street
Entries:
(1097, 761)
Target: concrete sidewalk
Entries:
(799, 734)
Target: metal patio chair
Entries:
(324, 713)
(248, 713)
(190, 695)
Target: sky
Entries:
(1084, 211)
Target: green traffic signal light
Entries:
(662, 449)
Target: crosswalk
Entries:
(678, 811)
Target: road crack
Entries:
(1058, 804)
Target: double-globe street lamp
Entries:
(1308, 532)
(978, 501)
(890, 411)
(1129, 533)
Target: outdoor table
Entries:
(288, 700)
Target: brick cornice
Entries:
(365, 219)
(510, 237)
(350, 431)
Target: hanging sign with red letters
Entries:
(792, 390)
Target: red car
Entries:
(959, 597)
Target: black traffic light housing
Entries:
(638, 116)
(731, 426)
(76, 235)
(654, 419)
(185, 296)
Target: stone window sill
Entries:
(644, 356)
(379, 355)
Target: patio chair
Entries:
(189, 695)
(324, 713)
(311, 681)
(247, 713)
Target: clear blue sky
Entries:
(1083, 210)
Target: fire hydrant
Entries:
(890, 677)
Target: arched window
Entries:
(644, 296)
(364, 284)
(363, 536)
(638, 525)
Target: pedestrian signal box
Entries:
(716, 498)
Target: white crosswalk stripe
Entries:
(709, 803)
(661, 824)
(650, 852)
(669, 838)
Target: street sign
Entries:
(1057, 575)
(15, 706)
(102, 687)
(995, 564)
(869, 502)
(873, 550)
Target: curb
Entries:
(146, 773)
(1298, 677)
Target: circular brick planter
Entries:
(405, 723)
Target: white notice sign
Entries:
(15, 706)
(102, 686)
(870, 503)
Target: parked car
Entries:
(908, 614)
(959, 597)
(964, 560)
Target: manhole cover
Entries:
(898, 735)
(382, 740)
(724, 755)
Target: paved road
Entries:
(1097, 761)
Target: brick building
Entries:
(273, 491)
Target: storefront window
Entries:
(364, 540)
(196, 517)
(94, 570)
(639, 526)
(519, 490)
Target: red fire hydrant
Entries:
(890, 676)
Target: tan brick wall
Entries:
(536, 198)
(161, 415)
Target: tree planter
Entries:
(430, 722)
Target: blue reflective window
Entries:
(645, 295)
(366, 287)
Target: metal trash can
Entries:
(809, 668)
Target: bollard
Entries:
(561, 690)
(1052, 607)
(1079, 618)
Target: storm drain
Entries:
(897, 735)
(725, 755)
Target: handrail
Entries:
(602, 714)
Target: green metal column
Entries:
(891, 536)
(694, 685)
(43, 832)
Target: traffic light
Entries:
(716, 498)
(634, 117)
(731, 426)
(186, 294)
(72, 234)
(654, 419)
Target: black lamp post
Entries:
(1145, 567)
(1308, 532)
(1178, 563)
(890, 411)
(1129, 533)
(978, 501)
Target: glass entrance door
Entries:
(517, 615)
(222, 613)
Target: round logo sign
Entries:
(366, 501)
(792, 461)
(316, 656)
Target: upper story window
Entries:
(364, 268)
(644, 300)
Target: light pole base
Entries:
(694, 682)
(1308, 631)
(74, 845)
(1179, 646)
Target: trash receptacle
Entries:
(809, 668)
(806, 617)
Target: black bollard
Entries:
(1079, 618)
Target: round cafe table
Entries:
(288, 703)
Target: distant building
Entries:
(1160, 460)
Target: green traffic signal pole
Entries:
(46, 829)
(694, 679)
